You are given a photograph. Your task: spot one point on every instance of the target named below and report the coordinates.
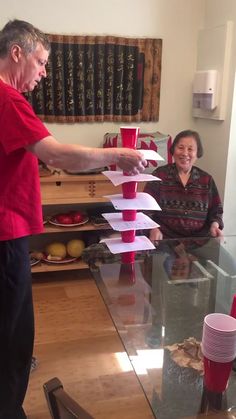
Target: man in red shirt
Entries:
(24, 52)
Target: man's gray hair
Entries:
(23, 34)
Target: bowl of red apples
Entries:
(68, 219)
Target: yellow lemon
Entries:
(75, 248)
(56, 249)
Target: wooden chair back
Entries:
(61, 405)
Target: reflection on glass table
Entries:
(158, 304)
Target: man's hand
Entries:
(75, 157)
(131, 161)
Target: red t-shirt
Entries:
(20, 200)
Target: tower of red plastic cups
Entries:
(219, 350)
(129, 136)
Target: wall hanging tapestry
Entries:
(100, 78)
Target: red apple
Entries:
(77, 216)
(64, 219)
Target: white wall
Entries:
(219, 136)
(230, 184)
(175, 21)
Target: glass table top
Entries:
(161, 300)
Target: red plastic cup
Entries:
(233, 307)
(129, 136)
(216, 375)
(126, 300)
(128, 257)
(127, 273)
(129, 189)
(128, 236)
(129, 215)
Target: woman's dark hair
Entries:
(188, 133)
(23, 34)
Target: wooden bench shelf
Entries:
(62, 189)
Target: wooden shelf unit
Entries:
(46, 267)
(63, 189)
(50, 228)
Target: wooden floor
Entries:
(77, 342)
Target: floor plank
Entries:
(77, 342)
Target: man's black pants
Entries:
(16, 326)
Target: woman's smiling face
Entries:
(185, 154)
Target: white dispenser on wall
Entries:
(213, 70)
(205, 90)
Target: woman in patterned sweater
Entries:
(187, 195)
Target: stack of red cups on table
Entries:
(219, 350)
(129, 137)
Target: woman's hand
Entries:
(215, 231)
(155, 234)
